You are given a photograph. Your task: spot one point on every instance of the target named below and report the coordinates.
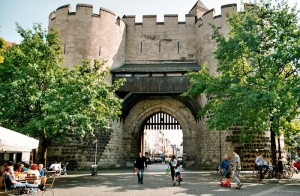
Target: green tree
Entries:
(41, 98)
(292, 134)
(2, 49)
(257, 86)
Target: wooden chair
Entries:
(30, 179)
(48, 182)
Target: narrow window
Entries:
(141, 47)
(99, 50)
(65, 48)
(159, 46)
(178, 47)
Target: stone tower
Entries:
(153, 56)
(84, 34)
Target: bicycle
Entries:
(289, 170)
(276, 174)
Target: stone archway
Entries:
(145, 108)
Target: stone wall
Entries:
(160, 41)
(84, 34)
(79, 152)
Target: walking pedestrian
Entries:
(172, 164)
(140, 163)
(236, 170)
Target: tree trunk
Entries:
(273, 147)
(42, 157)
(279, 147)
(273, 141)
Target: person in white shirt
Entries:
(236, 170)
(260, 162)
(173, 163)
(55, 167)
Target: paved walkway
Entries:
(156, 183)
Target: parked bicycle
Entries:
(289, 171)
(273, 175)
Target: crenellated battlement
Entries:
(82, 10)
(219, 20)
(169, 19)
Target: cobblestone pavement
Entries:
(156, 183)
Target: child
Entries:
(177, 174)
(226, 181)
(270, 165)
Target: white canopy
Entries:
(12, 141)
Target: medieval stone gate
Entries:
(153, 57)
(157, 88)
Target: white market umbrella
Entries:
(12, 141)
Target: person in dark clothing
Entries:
(140, 163)
(172, 164)
(225, 166)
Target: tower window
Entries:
(159, 46)
(65, 48)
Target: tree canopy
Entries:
(257, 86)
(40, 97)
(2, 49)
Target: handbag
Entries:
(168, 171)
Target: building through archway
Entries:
(161, 136)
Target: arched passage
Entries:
(144, 109)
(161, 135)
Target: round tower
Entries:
(84, 34)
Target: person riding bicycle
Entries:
(225, 166)
(260, 162)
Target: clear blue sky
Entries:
(28, 12)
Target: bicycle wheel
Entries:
(270, 175)
(289, 174)
(258, 177)
(255, 175)
(278, 176)
(284, 174)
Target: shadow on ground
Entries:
(193, 183)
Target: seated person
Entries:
(55, 167)
(32, 165)
(262, 166)
(11, 183)
(41, 170)
(23, 168)
(225, 166)
(35, 173)
(280, 166)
